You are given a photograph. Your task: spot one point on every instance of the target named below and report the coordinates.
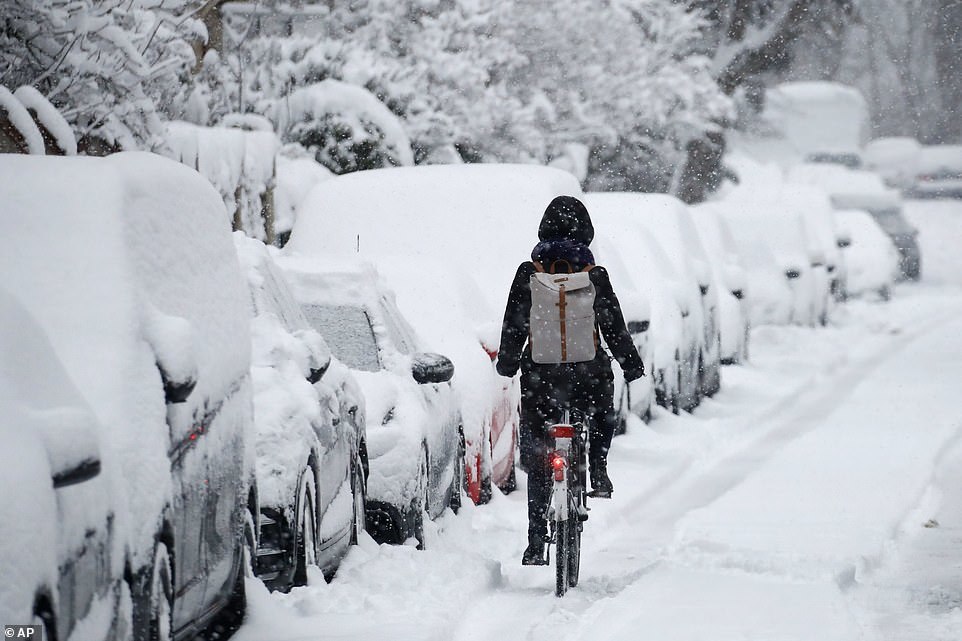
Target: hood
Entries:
(566, 217)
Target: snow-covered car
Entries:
(893, 158)
(638, 396)
(488, 402)
(127, 264)
(668, 221)
(774, 247)
(648, 287)
(311, 454)
(415, 441)
(816, 212)
(938, 172)
(60, 557)
(730, 281)
(475, 224)
(873, 262)
(820, 121)
(860, 189)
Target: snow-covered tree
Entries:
(110, 66)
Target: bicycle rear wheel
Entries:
(563, 556)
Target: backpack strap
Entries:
(538, 267)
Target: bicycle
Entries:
(568, 508)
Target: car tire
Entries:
(231, 618)
(43, 616)
(419, 506)
(459, 478)
(161, 597)
(676, 398)
(359, 495)
(305, 541)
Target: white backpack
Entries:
(562, 323)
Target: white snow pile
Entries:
(239, 163)
(95, 248)
(49, 117)
(306, 111)
(22, 122)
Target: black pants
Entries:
(547, 390)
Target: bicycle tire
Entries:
(562, 557)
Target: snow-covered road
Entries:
(818, 496)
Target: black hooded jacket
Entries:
(565, 230)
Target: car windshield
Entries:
(349, 333)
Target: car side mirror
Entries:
(70, 438)
(318, 354)
(638, 327)
(172, 340)
(82, 471)
(431, 368)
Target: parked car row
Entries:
(183, 406)
(174, 417)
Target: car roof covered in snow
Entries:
(484, 217)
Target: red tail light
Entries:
(558, 464)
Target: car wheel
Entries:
(305, 542)
(43, 616)
(231, 618)
(676, 398)
(161, 610)
(511, 483)
(359, 492)
(419, 506)
(457, 483)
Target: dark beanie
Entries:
(566, 217)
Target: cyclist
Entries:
(547, 388)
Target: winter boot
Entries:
(534, 554)
(601, 487)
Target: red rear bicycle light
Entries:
(558, 464)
